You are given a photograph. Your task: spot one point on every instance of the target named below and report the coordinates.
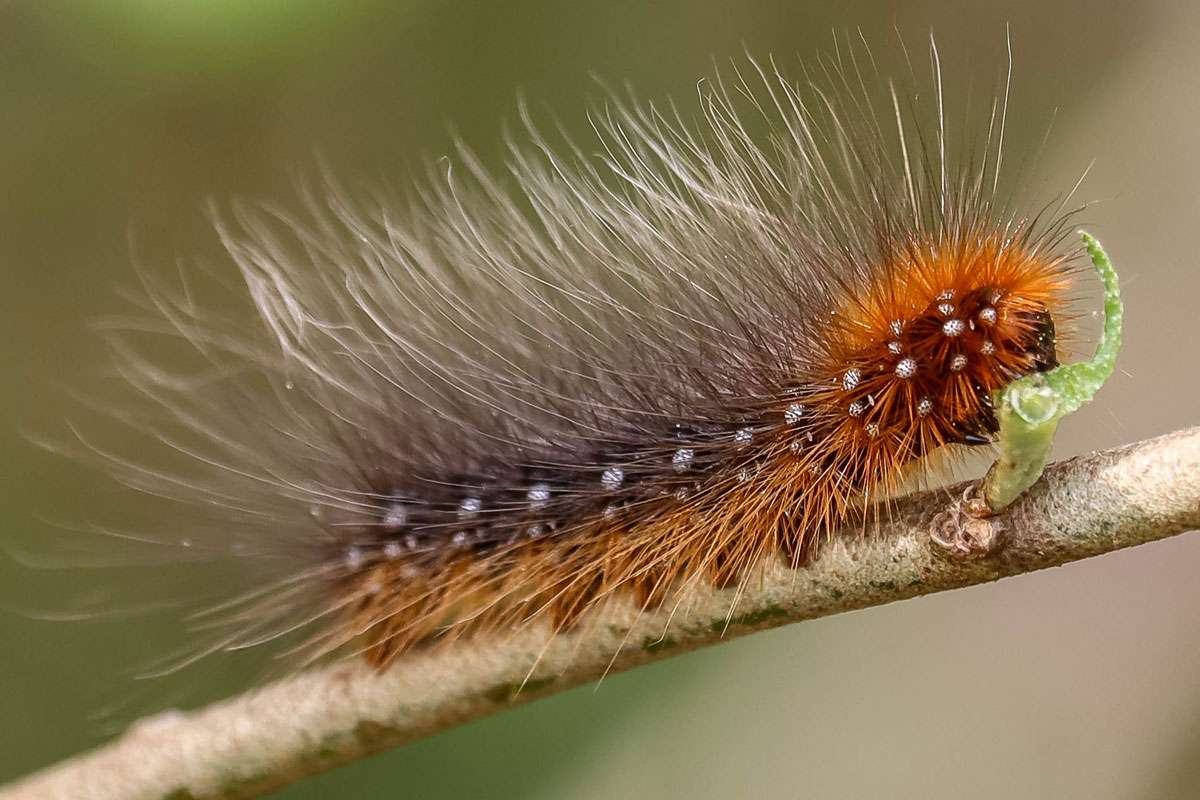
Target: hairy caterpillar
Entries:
(612, 375)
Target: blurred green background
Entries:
(120, 119)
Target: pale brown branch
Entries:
(264, 739)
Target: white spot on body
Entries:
(924, 407)
(682, 460)
(953, 327)
(852, 378)
(858, 408)
(743, 436)
(354, 559)
(459, 539)
(946, 294)
(958, 363)
(793, 414)
(872, 429)
(896, 326)
(395, 517)
(945, 309)
(612, 478)
(392, 550)
(906, 368)
(538, 495)
(987, 315)
(894, 348)
(987, 348)
(469, 507)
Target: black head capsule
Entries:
(1042, 345)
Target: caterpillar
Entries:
(616, 371)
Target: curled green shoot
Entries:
(1029, 409)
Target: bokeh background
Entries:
(120, 119)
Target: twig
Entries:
(310, 723)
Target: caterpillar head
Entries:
(920, 358)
